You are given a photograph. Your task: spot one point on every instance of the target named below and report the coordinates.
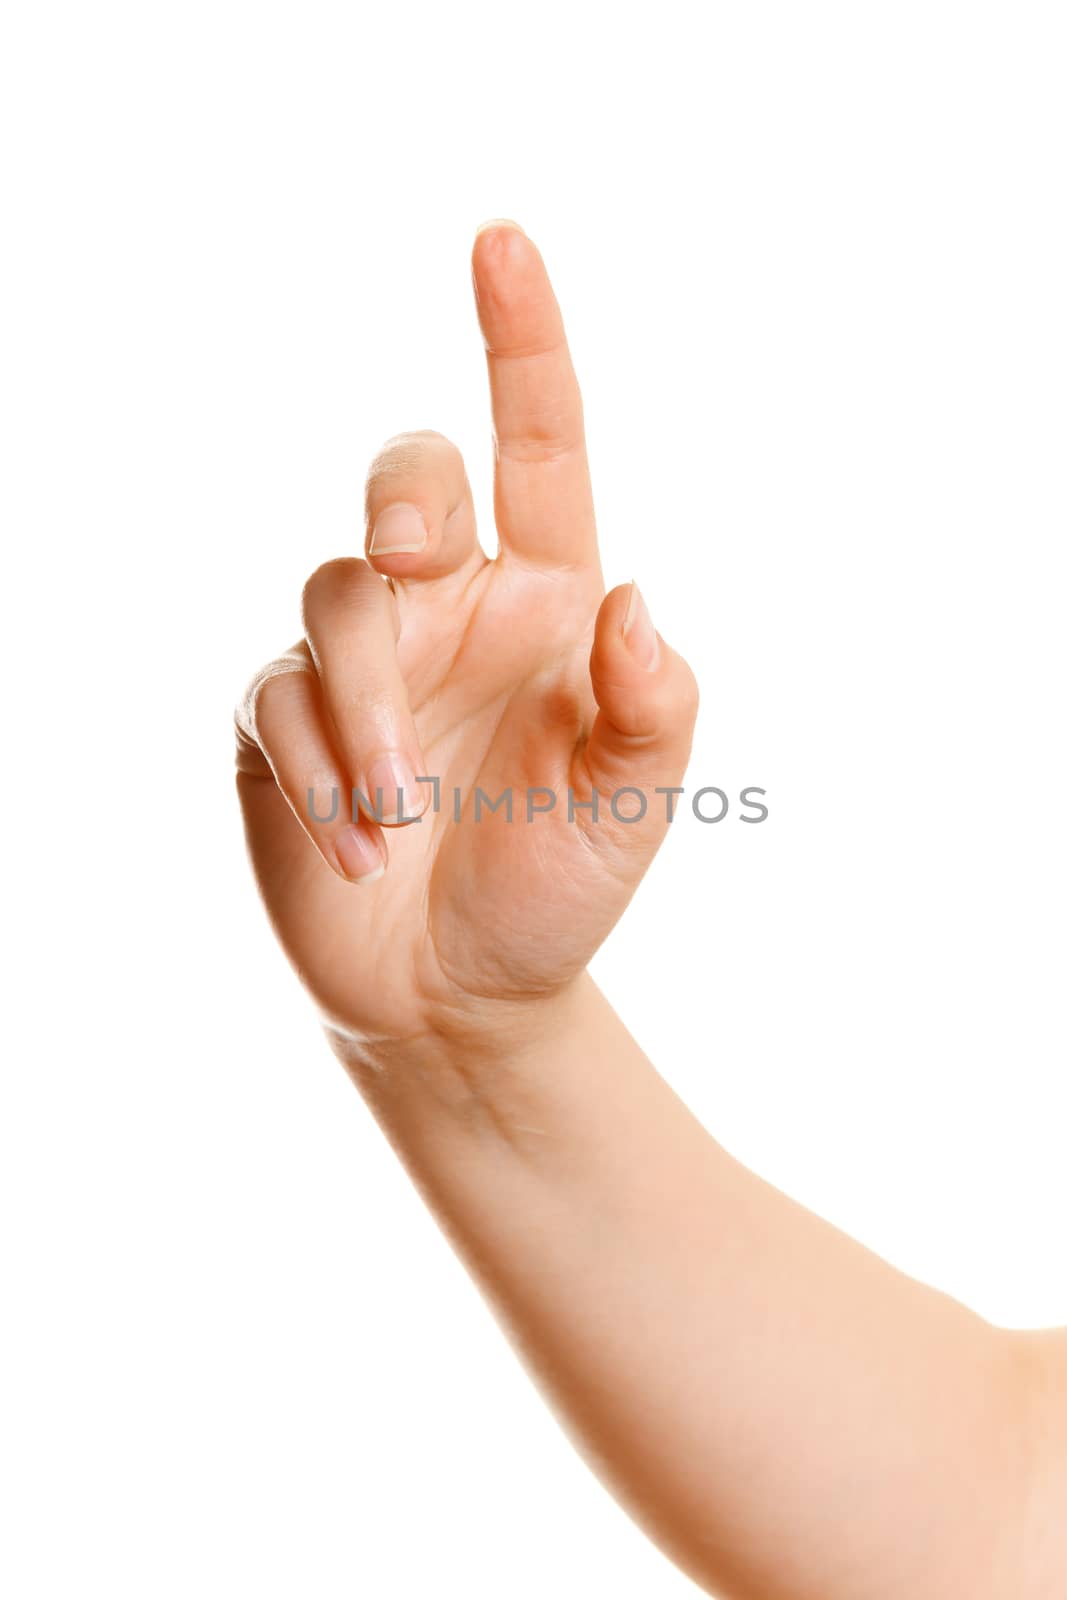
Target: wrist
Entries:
(477, 1066)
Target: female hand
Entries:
(428, 659)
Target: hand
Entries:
(429, 659)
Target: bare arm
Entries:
(786, 1415)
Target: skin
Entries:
(784, 1413)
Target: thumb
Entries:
(640, 741)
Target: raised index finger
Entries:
(543, 496)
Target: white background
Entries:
(812, 260)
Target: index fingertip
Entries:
(498, 222)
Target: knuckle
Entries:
(675, 699)
(688, 692)
(543, 437)
(537, 449)
(334, 583)
(268, 693)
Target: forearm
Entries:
(785, 1413)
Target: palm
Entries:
(496, 703)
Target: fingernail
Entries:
(498, 222)
(398, 530)
(392, 790)
(638, 631)
(358, 853)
